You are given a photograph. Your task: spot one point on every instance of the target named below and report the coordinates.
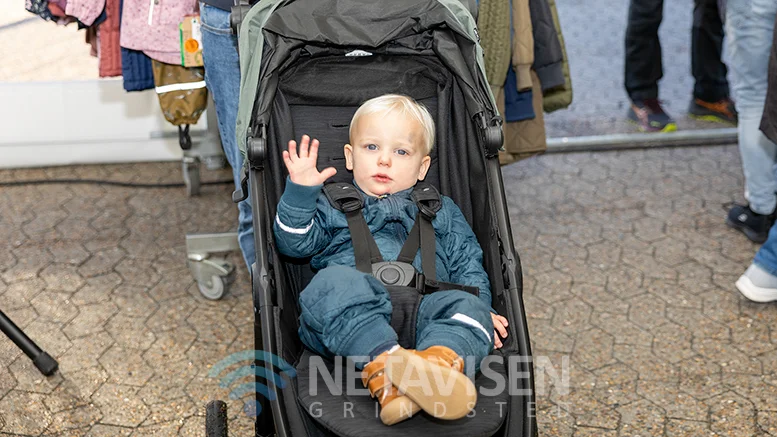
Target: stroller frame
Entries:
(265, 276)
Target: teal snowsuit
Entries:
(345, 312)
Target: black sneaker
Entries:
(722, 111)
(755, 226)
(650, 116)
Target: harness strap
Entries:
(421, 236)
(412, 243)
(429, 202)
(365, 250)
(347, 199)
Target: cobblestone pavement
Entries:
(629, 274)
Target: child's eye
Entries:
(372, 147)
(402, 152)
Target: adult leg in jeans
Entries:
(707, 68)
(643, 67)
(749, 25)
(754, 22)
(766, 258)
(222, 75)
(759, 282)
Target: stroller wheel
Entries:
(213, 288)
(216, 419)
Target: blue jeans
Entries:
(347, 313)
(749, 26)
(766, 258)
(222, 75)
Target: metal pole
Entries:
(43, 361)
(706, 137)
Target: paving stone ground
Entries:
(629, 274)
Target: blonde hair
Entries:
(408, 107)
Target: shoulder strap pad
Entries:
(343, 196)
(427, 199)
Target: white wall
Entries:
(81, 122)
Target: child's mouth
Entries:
(381, 178)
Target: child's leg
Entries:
(452, 329)
(457, 320)
(346, 313)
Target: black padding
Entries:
(427, 198)
(334, 408)
(344, 197)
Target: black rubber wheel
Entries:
(216, 419)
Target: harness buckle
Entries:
(394, 273)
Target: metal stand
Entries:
(206, 253)
(706, 137)
(206, 257)
(43, 361)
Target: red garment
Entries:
(109, 50)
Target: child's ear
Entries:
(348, 152)
(425, 163)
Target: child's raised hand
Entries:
(500, 323)
(302, 166)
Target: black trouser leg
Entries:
(643, 66)
(707, 68)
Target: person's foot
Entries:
(649, 116)
(757, 284)
(722, 111)
(755, 226)
(394, 406)
(433, 379)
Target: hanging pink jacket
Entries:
(85, 10)
(152, 27)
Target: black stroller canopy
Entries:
(281, 31)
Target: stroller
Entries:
(306, 65)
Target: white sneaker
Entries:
(758, 285)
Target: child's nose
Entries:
(385, 159)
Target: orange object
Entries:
(191, 45)
(191, 41)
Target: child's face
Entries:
(387, 154)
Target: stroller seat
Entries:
(353, 413)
